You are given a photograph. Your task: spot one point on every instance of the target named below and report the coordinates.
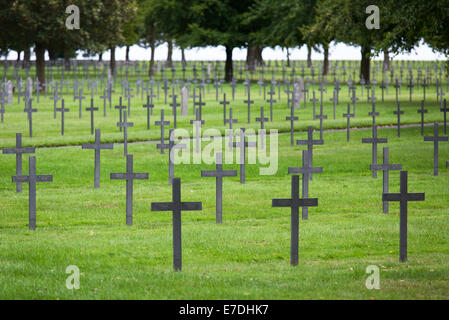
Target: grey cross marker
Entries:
(97, 146)
(171, 146)
(149, 106)
(386, 167)
(162, 123)
(348, 116)
(262, 121)
(91, 109)
(231, 121)
(398, 112)
(125, 124)
(436, 139)
(55, 99)
(32, 179)
(249, 102)
(197, 122)
(322, 117)
(309, 143)
(374, 140)
(129, 176)
(243, 144)
(30, 112)
(80, 97)
(219, 173)
(271, 93)
(18, 151)
(294, 203)
(314, 100)
(422, 111)
(63, 110)
(120, 107)
(306, 170)
(403, 197)
(224, 103)
(292, 119)
(104, 97)
(373, 113)
(176, 207)
(174, 105)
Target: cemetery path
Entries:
(391, 126)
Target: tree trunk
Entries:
(183, 57)
(112, 61)
(40, 64)
(66, 62)
(153, 47)
(251, 57)
(386, 66)
(259, 59)
(365, 64)
(100, 56)
(26, 57)
(229, 72)
(170, 54)
(127, 53)
(326, 59)
(309, 56)
(18, 55)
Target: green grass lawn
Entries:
(247, 257)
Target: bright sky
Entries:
(337, 52)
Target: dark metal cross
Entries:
(249, 102)
(200, 104)
(176, 207)
(97, 146)
(224, 103)
(436, 139)
(104, 97)
(63, 111)
(386, 167)
(125, 124)
(374, 140)
(373, 113)
(271, 93)
(18, 151)
(231, 121)
(262, 121)
(2, 106)
(354, 100)
(174, 105)
(309, 143)
(128, 95)
(219, 173)
(292, 119)
(91, 109)
(321, 116)
(80, 97)
(294, 203)
(334, 101)
(30, 112)
(403, 198)
(348, 117)
(149, 106)
(171, 146)
(32, 179)
(129, 176)
(55, 99)
(398, 112)
(243, 144)
(314, 104)
(306, 170)
(120, 107)
(197, 122)
(422, 111)
(162, 123)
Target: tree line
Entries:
(39, 25)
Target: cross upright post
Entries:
(224, 103)
(262, 121)
(398, 112)
(162, 123)
(436, 139)
(242, 145)
(97, 146)
(292, 119)
(374, 140)
(422, 111)
(249, 102)
(176, 207)
(125, 124)
(309, 143)
(31, 179)
(63, 110)
(120, 108)
(91, 109)
(129, 176)
(18, 151)
(444, 109)
(218, 174)
(403, 198)
(294, 203)
(149, 106)
(348, 116)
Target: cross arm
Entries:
(161, 206)
(18, 150)
(293, 170)
(119, 176)
(20, 178)
(191, 206)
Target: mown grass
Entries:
(247, 257)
